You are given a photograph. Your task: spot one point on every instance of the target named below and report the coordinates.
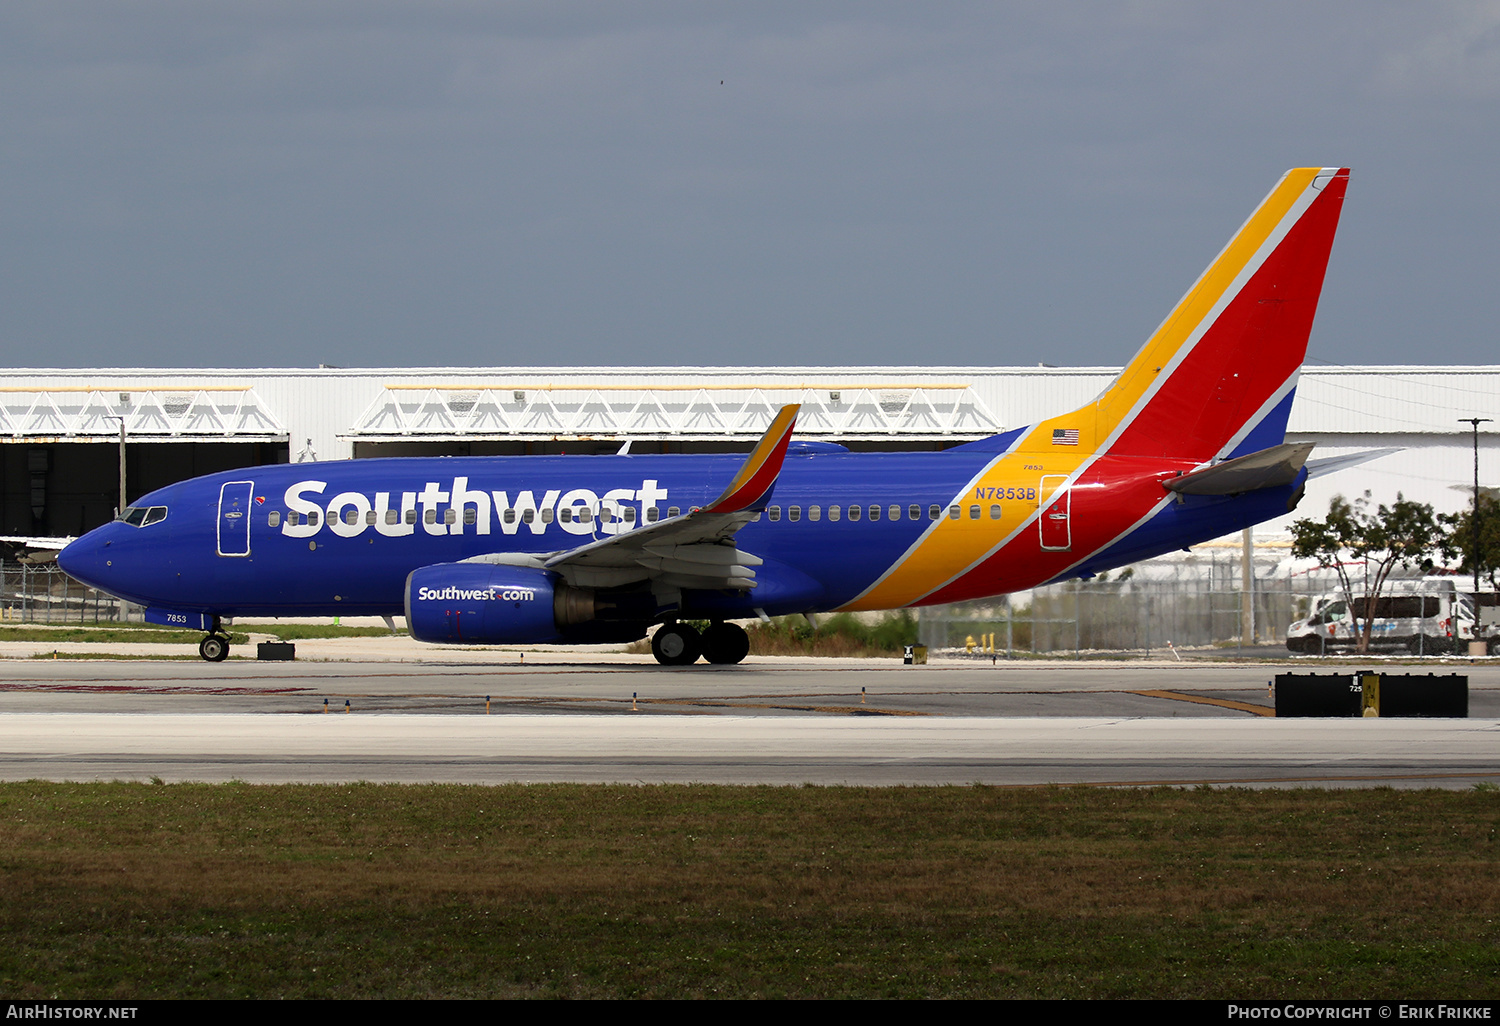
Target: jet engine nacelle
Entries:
(482, 604)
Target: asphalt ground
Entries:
(604, 717)
(609, 683)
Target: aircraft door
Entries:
(1056, 505)
(234, 518)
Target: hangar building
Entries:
(59, 429)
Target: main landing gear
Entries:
(679, 644)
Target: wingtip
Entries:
(753, 482)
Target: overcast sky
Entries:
(379, 182)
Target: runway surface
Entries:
(778, 721)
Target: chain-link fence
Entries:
(44, 594)
(1186, 607)
(1192, 608)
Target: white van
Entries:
(1483, 607)
(1421, 617)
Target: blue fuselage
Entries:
(330, 538)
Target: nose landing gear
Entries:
(215, 647)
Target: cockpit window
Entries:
(144, 516)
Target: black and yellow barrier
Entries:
(1368, 693)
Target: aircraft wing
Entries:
(694, 550)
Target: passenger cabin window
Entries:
(510, 516)
(853, 513)
(565, 515)
(934, 512)
(392, 515)
(450, 516)
(914, 512)
(274, 520)
(954, 512)
(585, 516)
(794, 512)
(774, 512)
(874, 513)
(294, 519)
(973, 512)
(629, 514)
(994, 512)
(652, 514)
(673, 511)
(528, 515)
(351, 516)
(313, 517)
(430, 516)
(894, 512)
(471, 516)
(546, 516)
(834, 512)
(369, 516)
(815, 512)
(411, 516)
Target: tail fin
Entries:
(1216, 378)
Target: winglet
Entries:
(753, 483)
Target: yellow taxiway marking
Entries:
(1227, 703)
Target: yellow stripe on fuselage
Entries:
(950, 547)
(1125, 393)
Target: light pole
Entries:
(120, 511)
(1474, 519)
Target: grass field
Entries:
(133, 891)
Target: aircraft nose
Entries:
(88, 558)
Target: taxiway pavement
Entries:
(604, 718)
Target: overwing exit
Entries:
(1185, 445)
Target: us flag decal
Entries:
(1064, 436)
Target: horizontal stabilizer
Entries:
(1269, 468)
(1333, 464)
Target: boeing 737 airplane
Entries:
(1187, 444)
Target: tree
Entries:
(1459, 543)
(1363, 547)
